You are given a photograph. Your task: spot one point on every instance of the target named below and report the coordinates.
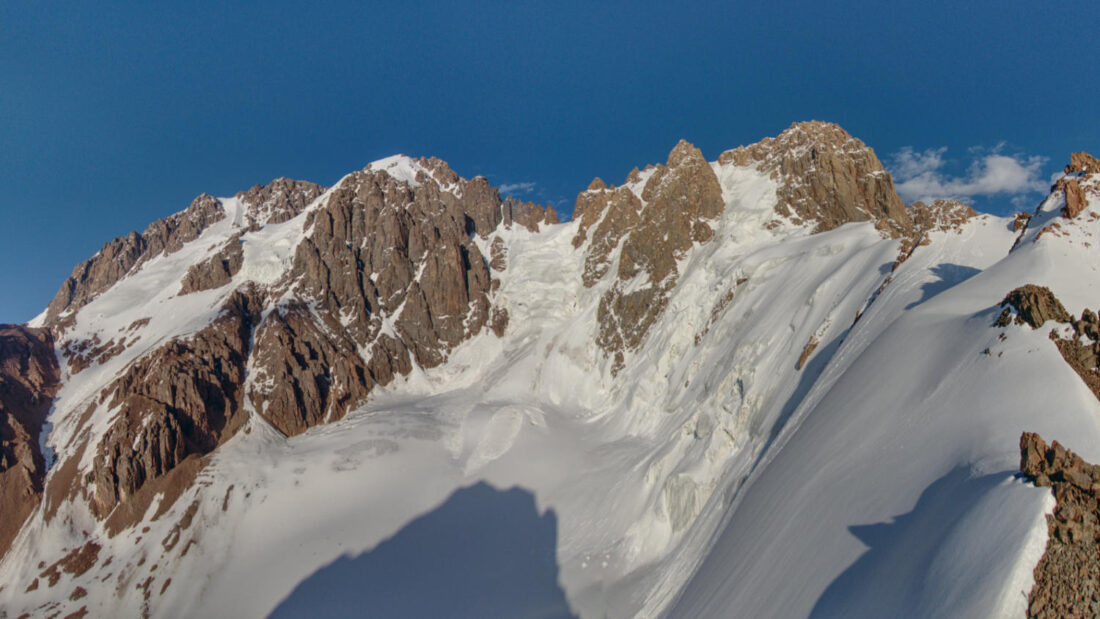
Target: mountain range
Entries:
(757, 386)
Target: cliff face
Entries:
(28, 381)
(824, 177)
(181, 400)
(386, 275)
(645, 227)
(122, 255)
(827, 178)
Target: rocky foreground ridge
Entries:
(1067, 579)
(311, 299)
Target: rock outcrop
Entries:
(389, 276)
(217, 270)
(308, 372)
(527, 214)
(396, 264)
(940, 216)
(182, 400)
(1080, 347)
(1031, 305)
(647, 228)
(124, 254)
(1067, 578)
(826, 178)
(28, 381)
(1084, 163)
(280, 200)
(1081, 166)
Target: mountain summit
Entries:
(757, 386)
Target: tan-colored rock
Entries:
(380, 245)
(28, 381)
(1033, 305)
(940, 215)
(1020, 221)
(649, 234)
(82, 354)
(527, 214)
(1084, 163)
(1081, 348)
(613, 213)
(827, 178)
(1075, 197)
(498, 255)
(275, 202)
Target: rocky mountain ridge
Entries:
(291, 305)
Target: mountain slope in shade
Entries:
(755, 386)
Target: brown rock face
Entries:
(614, 213)
(381, 247)
(1083, 162)
(275, 202)
(280, 200)
(1033, 305)
(388, 275)
(827, 177)
(941, 215)
(28, 382)
(127, 253)
(527, 214)
(1075, 197)
(1081, 349)
(1020, 221)
(1067, 579)
(307, 373)
(679, 200)
(216, 271)
(183, 399)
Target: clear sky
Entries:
(112, 116)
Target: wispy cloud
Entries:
(920, 175)
(517, 188)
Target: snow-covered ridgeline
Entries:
(879, 471)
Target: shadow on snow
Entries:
(949, 276)
(482, 553)
(887, 580)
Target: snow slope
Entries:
(894, 490)
(711, 477)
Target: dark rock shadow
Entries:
(483, 553)
(949, 275)
(887, 580)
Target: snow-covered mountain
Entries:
(761, 386)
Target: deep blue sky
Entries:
(112, 116)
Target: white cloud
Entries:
(517, 188)
(919, 175)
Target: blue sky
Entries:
(114, 115)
